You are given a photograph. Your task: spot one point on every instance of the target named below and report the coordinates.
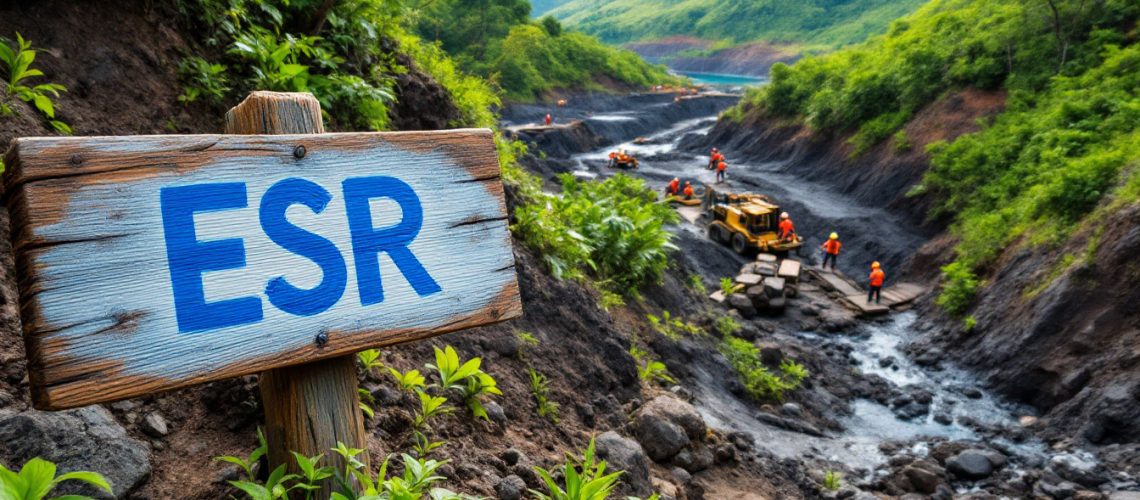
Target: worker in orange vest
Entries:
(831, 250)
(787, 228)
(549, 119)
(674, 187)
(688, 190)
(876, 281)
(720, 168)
(613, 158)
(714, 158)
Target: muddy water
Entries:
(869, 234)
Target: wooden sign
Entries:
(150, 263)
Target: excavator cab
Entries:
(748, 222)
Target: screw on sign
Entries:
(150, 263)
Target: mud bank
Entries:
(598, 120)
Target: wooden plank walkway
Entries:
(856, 297)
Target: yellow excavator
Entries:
(747, 222)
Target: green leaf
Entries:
(43, 103)
(93, 478)
(254, 490)
(37, 475)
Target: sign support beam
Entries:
(308, 408)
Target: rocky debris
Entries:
(1081, 468)
(921, 476)
(666, 425)
(665, 489)
(680, 476)
(155, 426)
(511, 456)
(511, 487)
(627, 455)
(84, 439)
(742, 303)
(695, 458)
(971, 465)
(794, 425)
(495, 412)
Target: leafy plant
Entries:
(612, 230)
(588, 481)
(540, 389)
(959, 285)
(202, 79)
(366, 402)
(416, 481)
(423, 445)
(527, 341)
(969, 323)
(452, 373)
(430, 407)
(697, 283)
(727, 286)
(610, 300)
(369, 360)
(246, 464)
(37, 478)
(410, 381)
(16, 61)
(726, 325)
(673, 328)
(648, 368)
(276, 486)
(479, 385)
(832, 481)
(758, 381)
(311, 475)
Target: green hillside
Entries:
(540, 7)
(497, 39)
(1062, 153)
(826, 23)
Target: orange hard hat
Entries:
(686, 183)
(875, 265)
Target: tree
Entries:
(551, 25)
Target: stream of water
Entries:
(869, 423)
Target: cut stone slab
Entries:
(789, 270)
(774, 287)
(749, 279)
(766, 257)
(766, 269)
(717, 296)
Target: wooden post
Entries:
(309, 408)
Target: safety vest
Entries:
(877, 277)
(832, 246)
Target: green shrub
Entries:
(727, 285)
(697, 284)
(726, 326)
(969, 323)
(472, 383)
(757, 380)
(16, 62)
(832, 481)
(613, 230)
(959, 285)
(649, 369)
(902, 142)
(37, 478)
(201, 79)
(673, 328)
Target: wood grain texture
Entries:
(95, 290)
(314, 407)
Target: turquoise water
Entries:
(725, 80)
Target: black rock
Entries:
(511, 487)
(626, 455)
(970, 464)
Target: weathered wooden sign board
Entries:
(149, 263)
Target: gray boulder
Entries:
(677, 412)
(83, 439)
(970, 464)
(742, 303)
(694, 459)
(511, 487)
(154, 425)
(626, 455)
